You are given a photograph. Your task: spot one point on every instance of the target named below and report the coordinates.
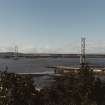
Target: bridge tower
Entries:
(83, 55)
(16, 52)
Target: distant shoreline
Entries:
(46, 55)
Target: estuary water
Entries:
(39, 65)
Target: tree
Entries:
(16, 89)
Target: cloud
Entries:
(67, 48)
(91, 47)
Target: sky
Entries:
(52, 26)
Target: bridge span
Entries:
(75, 69)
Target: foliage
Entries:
(81, 89)
(16, 89)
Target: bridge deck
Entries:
(66, 69)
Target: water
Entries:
(38, 65)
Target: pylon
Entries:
(83, 55)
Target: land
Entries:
(47, 55)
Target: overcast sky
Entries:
(52, 26)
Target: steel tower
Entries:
(83, 55)
(16, 51)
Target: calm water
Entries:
(39, 65)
